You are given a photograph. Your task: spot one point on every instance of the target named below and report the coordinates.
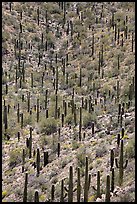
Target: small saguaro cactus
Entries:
(98, 194)
(46, 156)
(93, 44)
(62, 119)
(121, 165)
(38, 162)
(30, 142)
(86, 184)
(111, 159)
(52, 192)
(122, 132)
(25, 188)
(21, 120)
(78, 185)
(58, 149)
(28, 97)
(93, 128)
(31, 80)
(62, 196)
(80, 123)
(5, 118)
(112, 179)
(37, 110)
(107, 196)
(132, 41)
(18, 134)
(70, 187)
(18, 113)
(36, 197)
(38, 15)
(23, 160)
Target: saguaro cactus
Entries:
(30, 142)
(111, 159)
(45, 158)
(38, 162)
(58, 149)
(112, 180)
(80, 123)
(70, 187)
(36, 198)
(107, 198)
(23, 160)
(25, 188)
(86, 182)
(52, 192)
(78, 185)
(37, 110)
(121, 165)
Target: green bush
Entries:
(88, 118)
(130, 149)
(69, 119)
(15, 157)
(48, 126)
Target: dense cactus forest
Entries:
(68, 101)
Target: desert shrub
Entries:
(48, 126)
(88, 118)
(69, 119)
(15, 157)
(130, 149)
(100, 151)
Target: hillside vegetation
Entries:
(68, 101)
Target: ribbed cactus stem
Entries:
(28, 97)
(45, 158)
(98, 185)
(18, 136)
(107, 197)
(52, 192)
(62, 119)
(18, 113)
(122, 132)
(23, 160)
(21, 120)
(56, 106)
(112, 180)
(78, 185)
(58, 149)
(38, 15)
(70, 190)
(38, 162)
(121, 166)
(36, 199)
(62, 191)
(111, 159)
(93, 131)
(80, 124)
(86, 181)
(132, 41)
(37, 110)
(30, 143)
(5, 118)
(25, 188)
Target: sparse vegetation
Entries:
(68, 96)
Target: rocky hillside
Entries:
(68, 101)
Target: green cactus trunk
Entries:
(78, 185)
(121, 166)
(52, 192)
(98, 185)
(38, 162)
(25, 188)
(112, 180)
(30, 143)
(107, 198)
(70, 190)
(86, 182)
(36, 199)
(45, 158)
(23, 160)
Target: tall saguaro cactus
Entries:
(80, 124)
(30, 142)
(78, 185)
(25, 188)
(70, 190)
(38, 162)
(36, 198)
(86, 182)
(23, 160)
(121, 165)
(107, 197)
